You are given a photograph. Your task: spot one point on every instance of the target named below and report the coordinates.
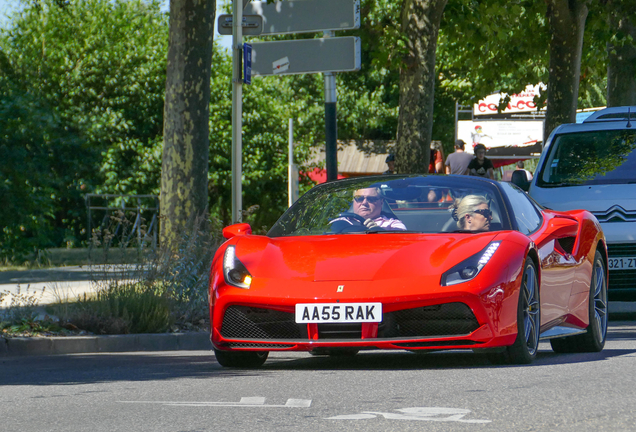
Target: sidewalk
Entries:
(193, 341)
(50, 285)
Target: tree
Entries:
(90, 95)
(186, 115)
(621, 70)
(567, 23)
(420, 26)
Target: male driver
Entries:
(456, 163)
(367, 203)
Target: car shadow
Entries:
(173, 365)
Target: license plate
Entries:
(622, 263)
(338, 312)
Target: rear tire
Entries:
(593, 340)
(526, 345)
(242, 359)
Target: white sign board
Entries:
(289, 57)
(252, 25)
(500, 133)
(519, 103)
(306, 16)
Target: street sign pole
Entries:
(237, 111)
(331, 123)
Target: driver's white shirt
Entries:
(382, 221)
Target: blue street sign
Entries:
(247, 63)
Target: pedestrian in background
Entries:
(457, 162)
(436, 162)
(481, 166)
(390, 161)
(522, 166)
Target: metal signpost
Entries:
(327, 55)
(237, 113)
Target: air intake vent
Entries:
(243, 322)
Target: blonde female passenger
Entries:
(472, 213)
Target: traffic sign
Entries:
(252, 25)
(247, 63)
(306, 16)
(290, 57)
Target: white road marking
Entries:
(258, 402)
(416, 413)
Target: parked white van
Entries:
(592, 166)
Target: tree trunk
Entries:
(567, 23)
(621, 68)
(184, 171)
(420, 24)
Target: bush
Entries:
(122, 309)
(163, 290)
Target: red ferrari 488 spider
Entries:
(411, 263)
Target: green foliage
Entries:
(86, 110)
(491, 46)
(120, 309)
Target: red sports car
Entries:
(413, 263)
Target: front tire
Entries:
(593, 340)
(526, 345)
(241, 359)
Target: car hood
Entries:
(594, 198)
(357, 257)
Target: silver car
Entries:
(592, 166)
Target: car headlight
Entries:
(234, 270)
(469, 268)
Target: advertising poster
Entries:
(503, 137)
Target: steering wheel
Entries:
(345, 226)
(351, 215)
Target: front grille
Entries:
(339, 331)
(622, 283)
(449, 319)
(621, 249)
(246, 322)
(257, 345)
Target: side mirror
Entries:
(520, 179)
(237, 229)
(561, 227)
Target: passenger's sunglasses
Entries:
(370, 199)
(484, 212)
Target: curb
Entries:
(21, 346)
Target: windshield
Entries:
(601, 157)
(393, 204)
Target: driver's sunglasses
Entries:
(484, 212)
(370, 199)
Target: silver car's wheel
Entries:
(593, 340)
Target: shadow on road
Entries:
(147, 366)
